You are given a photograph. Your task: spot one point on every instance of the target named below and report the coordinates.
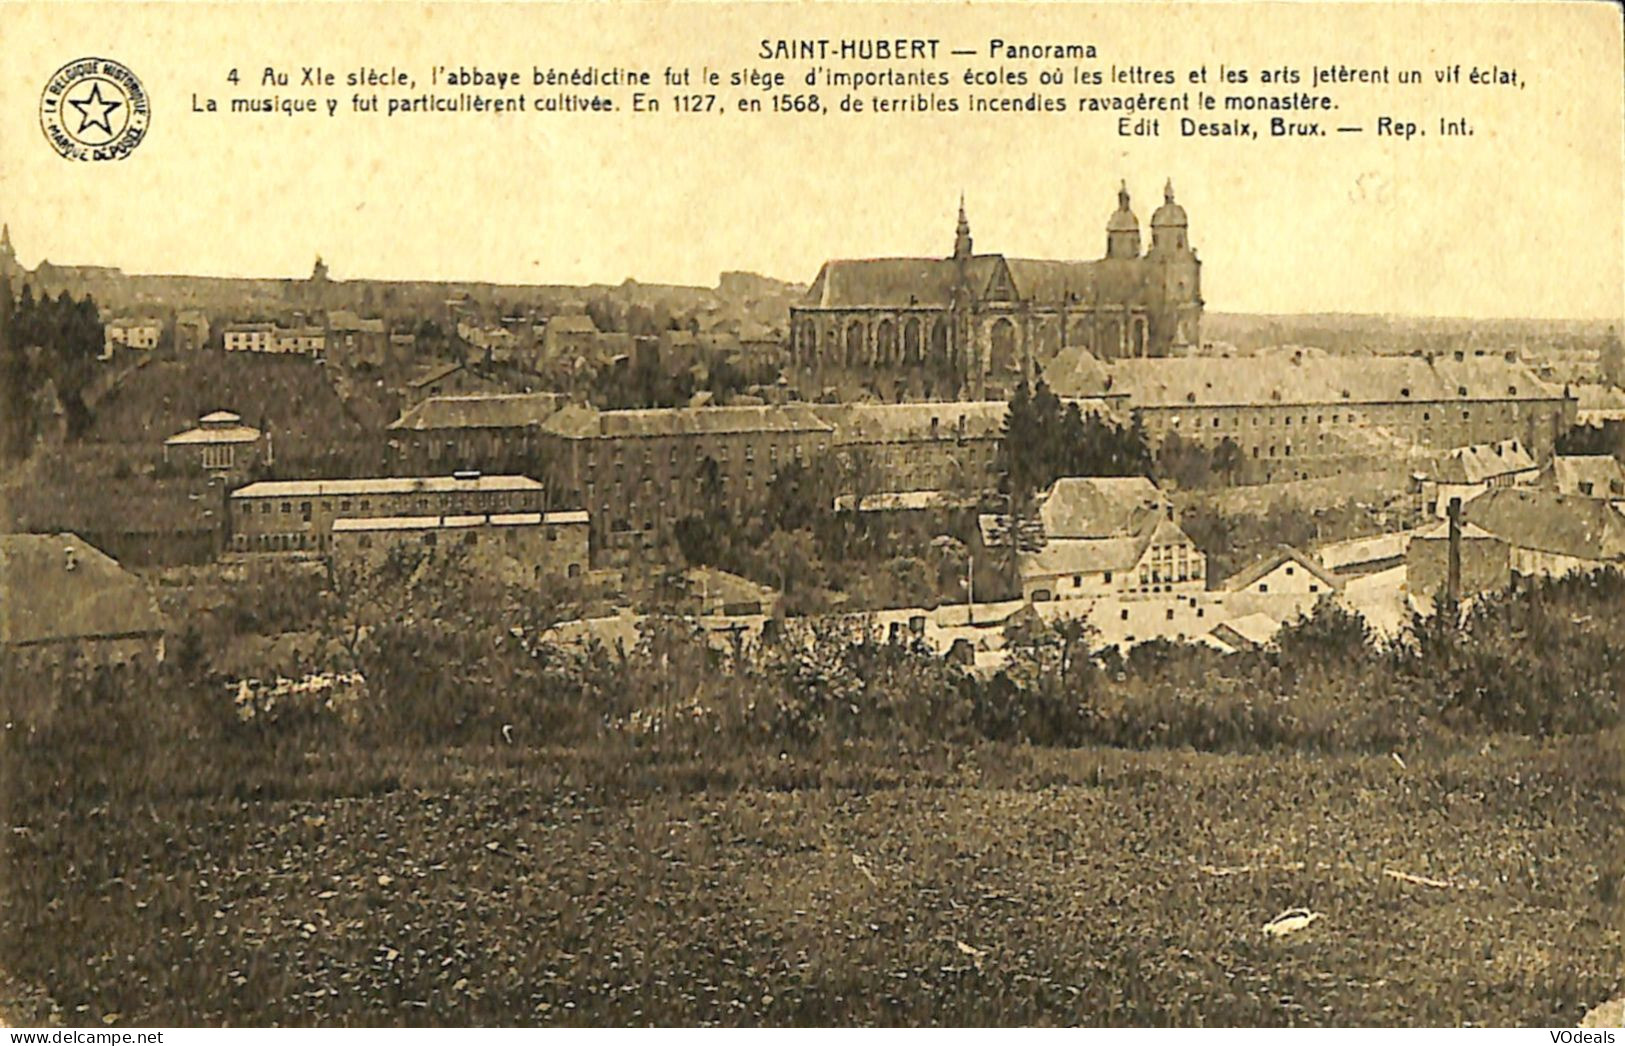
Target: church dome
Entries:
(1123, 219)
(1170, 213)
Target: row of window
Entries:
(482, 502)
(1380, 415)
(218, 456)
(304, 542)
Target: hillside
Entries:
(1346, 332)
(291, 396)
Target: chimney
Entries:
(1453, 578)
(70, 558)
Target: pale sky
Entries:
(1524, 218)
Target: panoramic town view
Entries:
(960, 639)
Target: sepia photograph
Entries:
(811, 514)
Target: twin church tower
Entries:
(973, 324)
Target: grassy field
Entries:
(994, 885)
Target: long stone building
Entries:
(971, 325)
(637, 473)
(1304, 414)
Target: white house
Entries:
(250, 337)
(1104, 535)
(140, 334)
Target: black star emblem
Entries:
(93, 111)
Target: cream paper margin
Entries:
(1522, 219)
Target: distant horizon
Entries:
(1208, 311)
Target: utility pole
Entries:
(970, 589)
(1453, 578)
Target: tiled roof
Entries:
(1054, 281)
(1603, 472)
(97, 598)
(214, 434)
(1440, 531)
(581, 422)
(1267, 564)
(1085, 556)
(1076, 372)
(897, 282)
(895, 422)
(571, 323)
(434, 374)
(1314, 378)
(386, 485)
(1547, 521)
(482, 411)
(1484, 461)
(1100, 506)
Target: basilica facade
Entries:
(971, 325)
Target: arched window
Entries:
(854, 343)
(911, 340)
(1002, 345)
(886, 342)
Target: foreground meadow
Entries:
(1003, 885)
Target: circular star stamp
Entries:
(94, 109)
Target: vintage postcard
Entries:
(789, 514)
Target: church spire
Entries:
(1123, 229)
(962, 241)
(1168, 191)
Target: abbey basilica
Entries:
(971, 325)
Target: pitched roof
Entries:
(387, 485)
(214, 434)
(1440, 531)
(42, 600)
(1100, 507)
(897, 422)
(1059, 282)
(897, 282)
(1269, 563)
(1253, 629)
(1549, 521)
(1054, 281)
(1076, 372)
(581, 422)
(1086, 555)
(1483, 461)
(1314, 378)
(1603, 472)
(571, 323)
(507, 410)
(434, 374)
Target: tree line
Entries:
(48, 351)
